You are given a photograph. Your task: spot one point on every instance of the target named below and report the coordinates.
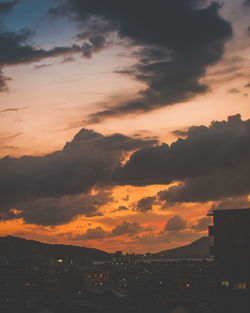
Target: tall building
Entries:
(231, 249)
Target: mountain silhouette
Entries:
(196, 249)
(20, 247)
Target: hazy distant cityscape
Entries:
(36, 277)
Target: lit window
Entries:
(60, 261)
(101, 283)
(240, 286)
(187, 285)
(27, 284)
(101, 275)
(225, 283)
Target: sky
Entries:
(122, 123)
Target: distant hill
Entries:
(19, 247)
(197, 249)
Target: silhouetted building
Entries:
(231, 232)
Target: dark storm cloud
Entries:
(176, 223)
(214, 187)
(210, 163)
(145, 204)
(126, 228)
(178, 41)
(57, 211)
(87, 160)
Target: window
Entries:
(225, 283)
(240, 285)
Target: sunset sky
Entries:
(122, 123)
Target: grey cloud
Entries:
(97, 233)
(6, 7)
(95, 39)
(210, 163)
(41, 66)
(57, 211)
(87, 160)
(3, 82)
(126, 228)
(234, 90)
(214, 187)
(176, 223)
(163, 238)
(178, 42)
(145, 204)
(231, 203)
(13, 109)
(180, 133)
(122, 208)
(247, 3)
(67, 59)
(201, 224)
(15, 47)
